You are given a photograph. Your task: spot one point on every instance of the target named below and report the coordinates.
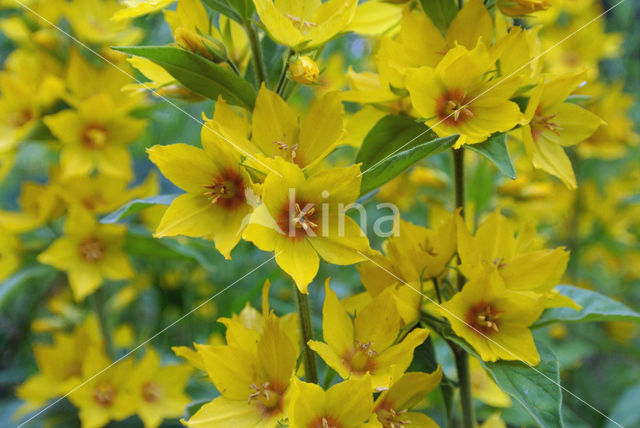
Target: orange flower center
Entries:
(104, 394)
(21, 118)
(541, 122)
(484, 318)
(389, 417)
(94, 136)
(301, 24)
(151, 392)
(453, 107)
(227, 190)
(301, 222)
(91, 249)
(325, 422)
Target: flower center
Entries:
(265, 395)
(151, 392)
(541, 122)
(91, 249)
(227, 190)
(22, 117)
(453, 108)
(104, 394)
(390, 418)
(362, 358)
(499, 263)
(94, 136)
(302, 219)
(288, 151)
(325, 422)
(301, 24)
(483, 317)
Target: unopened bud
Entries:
(198, 44)
(304, 70)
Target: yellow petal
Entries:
(378, 323)
(186, 166)
(471, 23)
(337, 326)
(222, 412)
(299, 260)
(350, 401)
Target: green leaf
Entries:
(390, 134)
(595, 307)
(23, 277)
(441, 12)
(536, 389)
(495, 149)
(137, 205)
(244, 7)
(390, 167)
(198, 74)
(223, 7)
(625, 412)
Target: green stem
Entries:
(461, 356)
(256, 51)
(458, 173)
(464, 381)
(309, 358)
(98, 302)
(282, 81)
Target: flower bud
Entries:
(522, 7)
(198, 44)
(304, 70)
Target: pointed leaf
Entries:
(223, 7)
(198, 74)
(389, 168)
(495, 149)
(441, 12)
(137, 205)
(595, 307)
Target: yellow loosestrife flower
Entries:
(522, 7)
(304, 70)
(305, 24)
(347, 404)
(108, 396)
(495, 320)
(253, 373)
(452, 98)
(219, 194)
(89, 252)
(94, 136)
(160, 389)
(368, 344)
(303, 219)
(393, 406)
(414, 256)
(277, 130)
(553, 124)
(59, 365)
(518, 261)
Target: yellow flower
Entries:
(347, 404)
(421, 43)
(553, 124)
(219, 191)
(484, 388)
(414, 256)
(452, 96)
(136, 8)
(368, 344)
(277, 131)
(108, 396)
(89, 252)
(393, 406)
(493, 421)
(522, 7)
(94, 137)
(306, 24)
(38, 204)
(91, 22)
(252, 373)
(304, 70)
(518, 261)
(160, 389)
(495, 320)
(375, 17)
(59, 365)
(302, 219)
